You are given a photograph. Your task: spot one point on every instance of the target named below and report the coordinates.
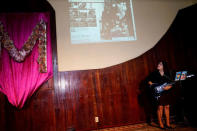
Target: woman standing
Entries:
(160, 76)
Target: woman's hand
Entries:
(167, 87)
(150, 83)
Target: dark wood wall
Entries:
(116, 94)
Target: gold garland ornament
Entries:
(38, 33)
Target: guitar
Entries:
(159, 88)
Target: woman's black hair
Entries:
(165, 67)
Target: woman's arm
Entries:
(167, 87)
(150, 83)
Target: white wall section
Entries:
(152, 20)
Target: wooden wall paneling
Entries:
(130, 77)
(98, 97)
(132, 99)
(2, 112)
(106, 97)
(125, 91)
(85, 108)
(140, 76)
(71, 99)
(80, 99)
(116, 95)
(95, 96)
(59, 103)
(41, 113)
(170, 52)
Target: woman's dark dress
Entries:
(165, 97)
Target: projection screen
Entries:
(98, 21)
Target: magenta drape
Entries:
(18, 81)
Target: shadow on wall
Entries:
(146, 100)
(71, 129)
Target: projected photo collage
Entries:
(82, 15)
(101, 21)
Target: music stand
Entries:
(181, 76)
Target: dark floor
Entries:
(149, 127)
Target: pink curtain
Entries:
(18, 81)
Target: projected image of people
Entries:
(115, 21)
(95, 21)
(81, 15)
